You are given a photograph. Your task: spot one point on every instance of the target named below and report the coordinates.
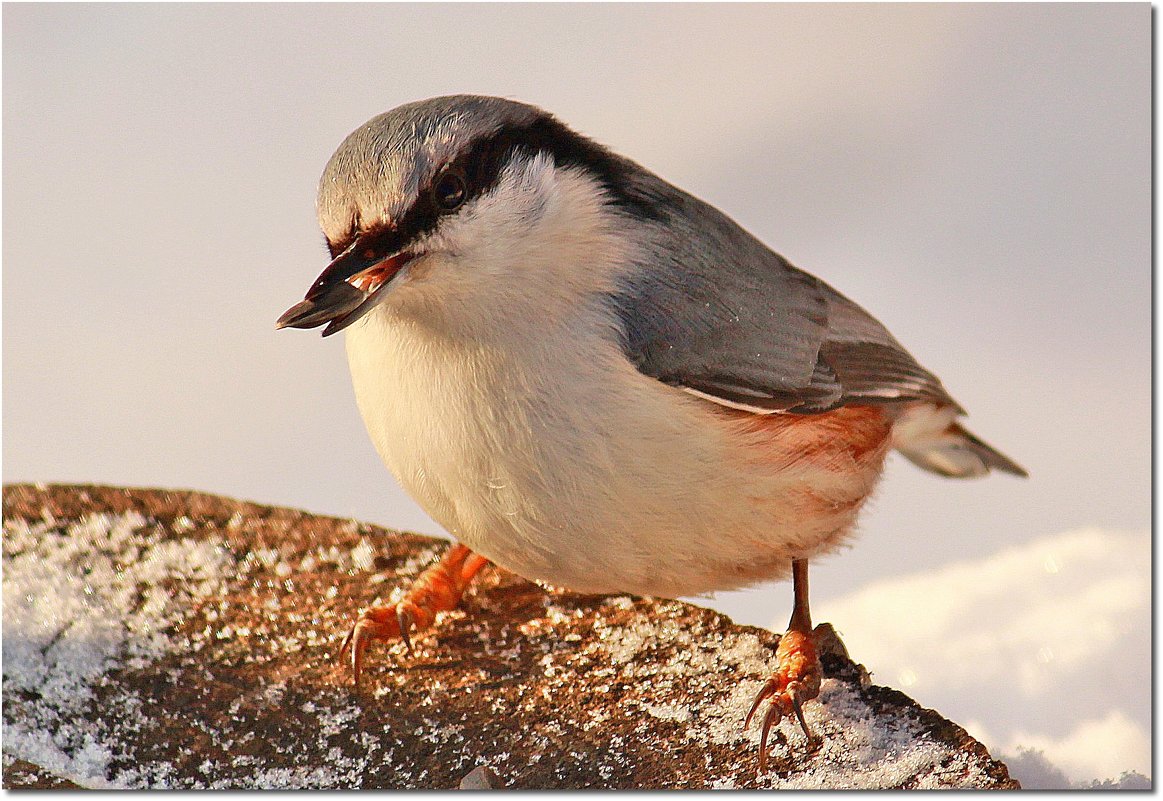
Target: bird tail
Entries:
(930, 437)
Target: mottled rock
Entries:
(160, 638)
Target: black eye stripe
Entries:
(480, 166)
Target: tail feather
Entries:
(929, 437)
(992, 457)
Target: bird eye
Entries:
(449, 191)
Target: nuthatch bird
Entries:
(596, 380)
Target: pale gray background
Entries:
(976, 176)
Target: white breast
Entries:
(554, 457)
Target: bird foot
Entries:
(437, 589)
(796, 680)
(383, 623)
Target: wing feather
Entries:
(718, 314)
(721, 315)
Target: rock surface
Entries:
(176, 639)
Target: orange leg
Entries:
(437, 589)
(798, 672)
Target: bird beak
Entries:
(346, 290)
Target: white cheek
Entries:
(500, 224)
(538, 243)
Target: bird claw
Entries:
(796, 680)
(405, 620)
(772, 718)
(765, 691)
(437, 589)
(347, 641)
(377, 623)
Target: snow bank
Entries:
(1044, 645)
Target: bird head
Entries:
(439, 202)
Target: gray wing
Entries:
(720, 314)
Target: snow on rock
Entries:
(174, 639)
(82, 598)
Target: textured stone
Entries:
(213, 666)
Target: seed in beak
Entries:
(369, 280)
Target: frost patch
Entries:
(675, 712)
(80, 600)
